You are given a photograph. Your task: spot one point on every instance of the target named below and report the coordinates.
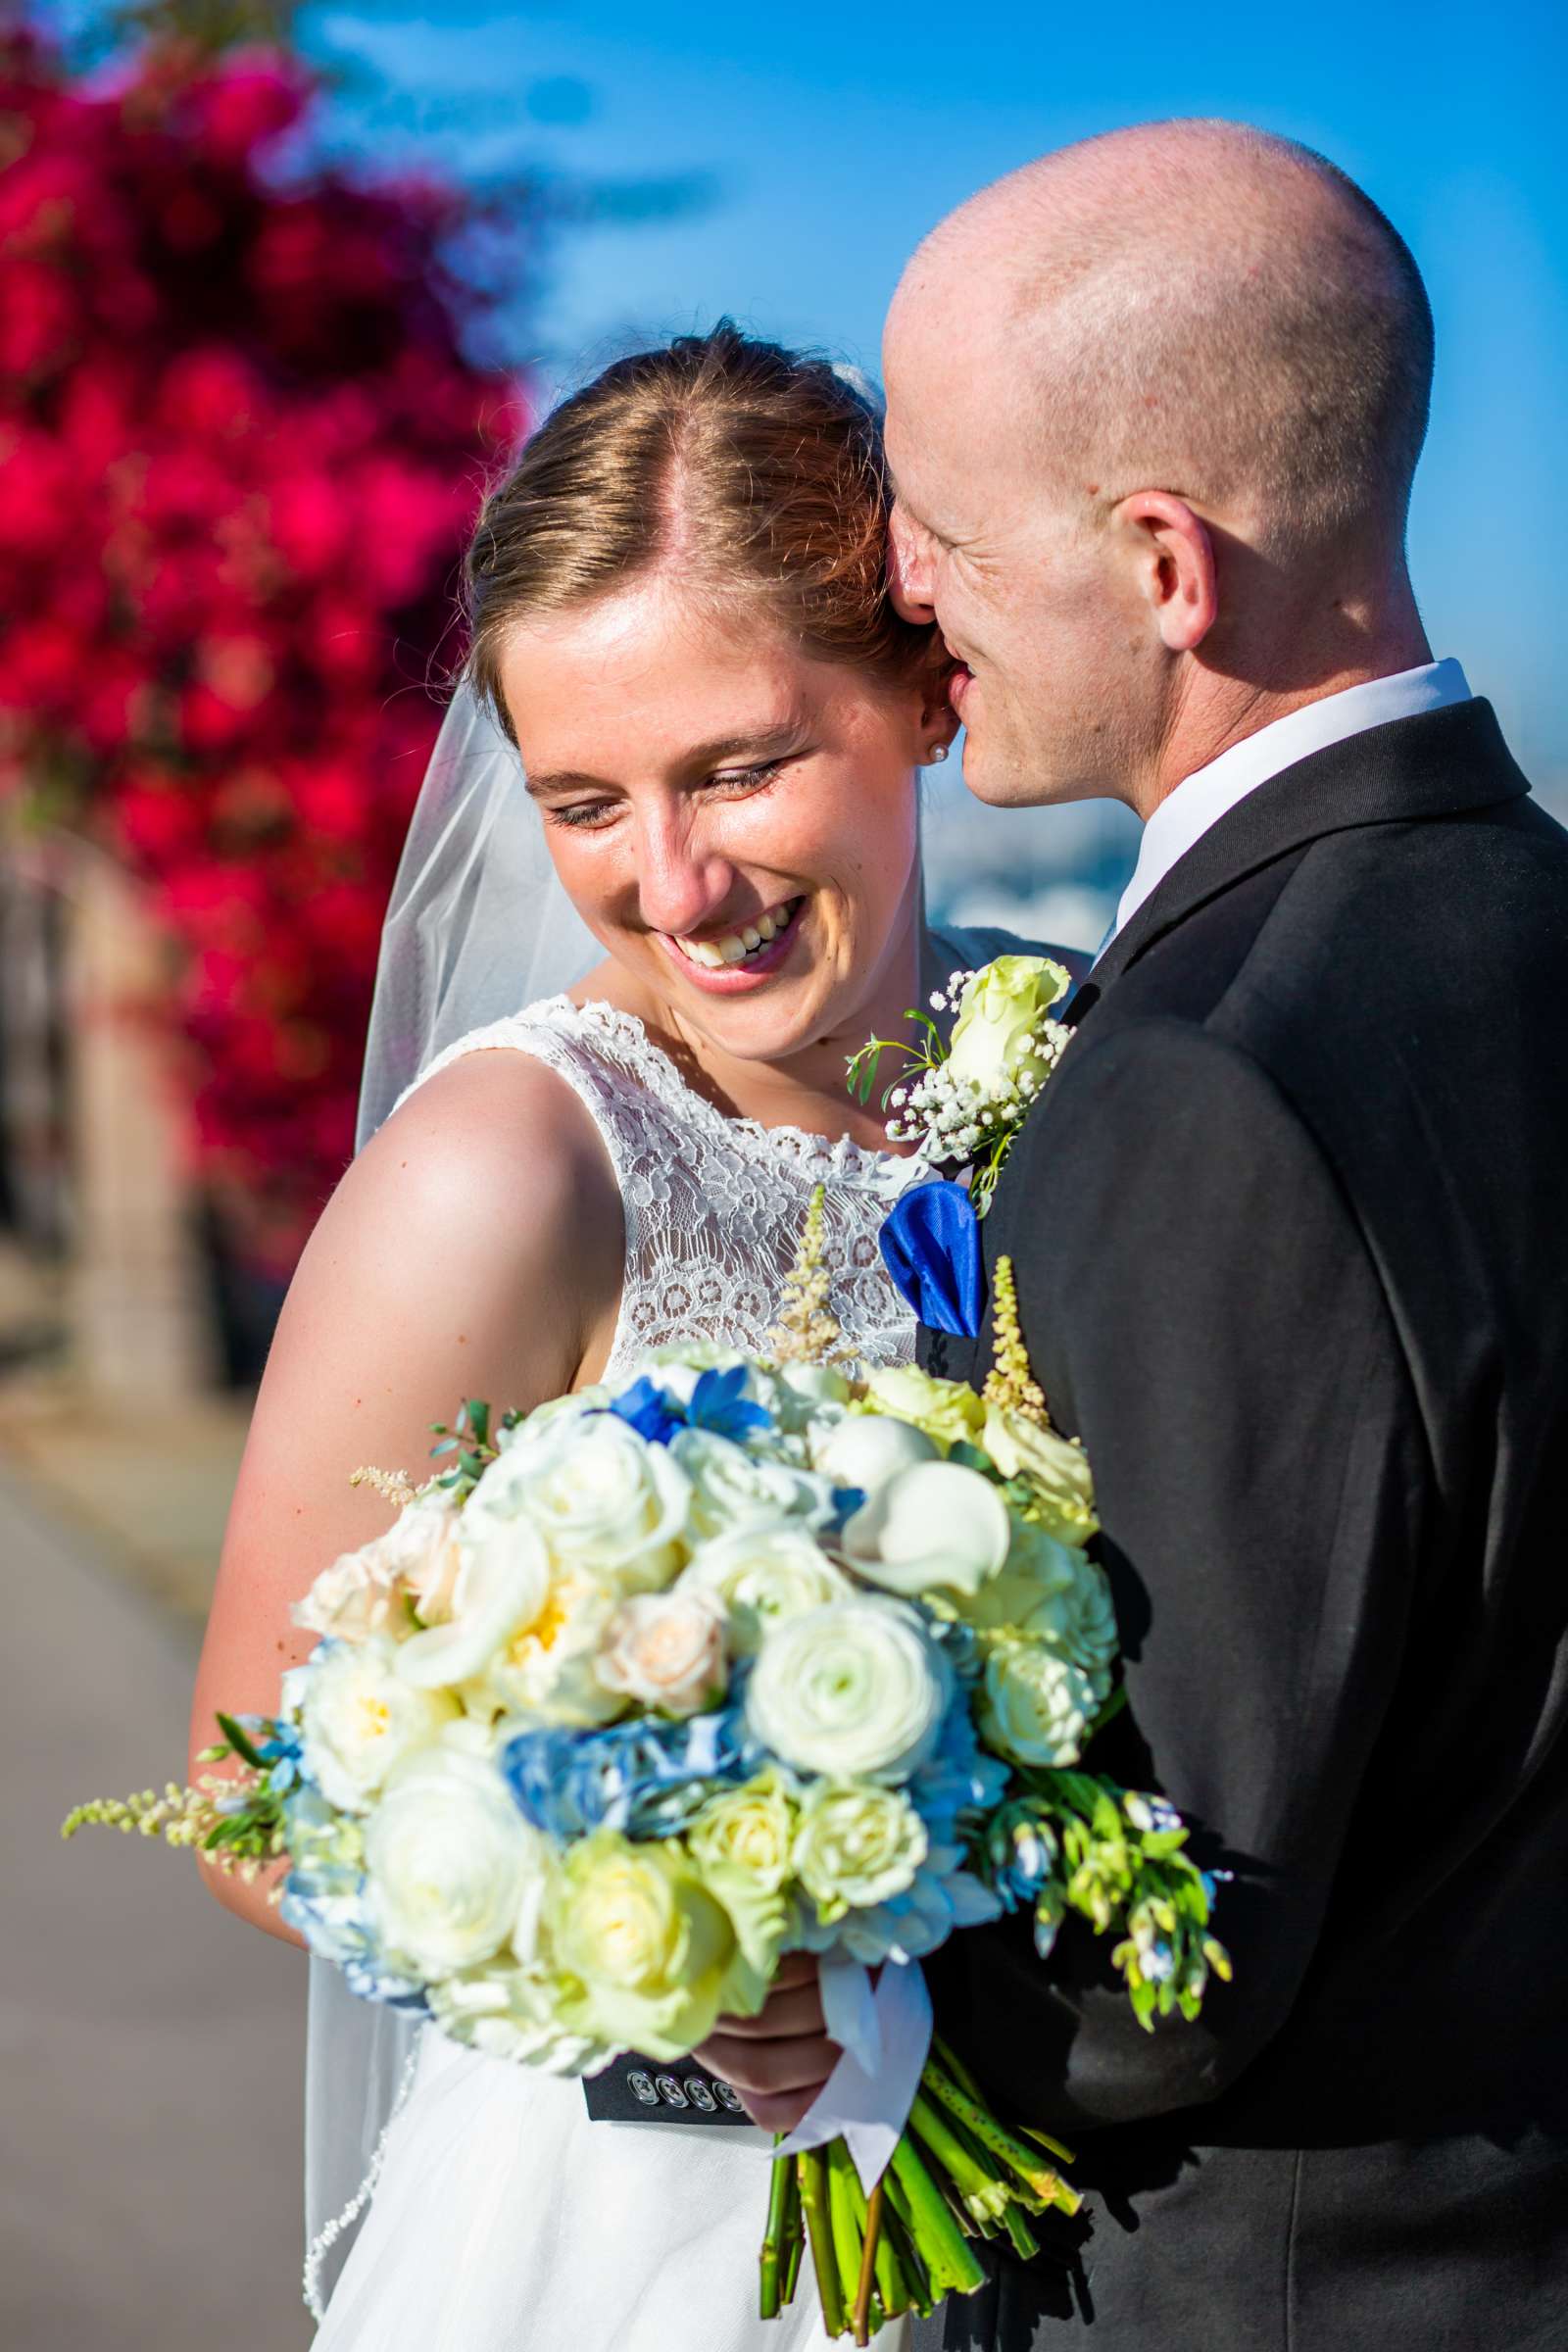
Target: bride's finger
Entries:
(784, 2014)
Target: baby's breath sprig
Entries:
(808, 1332)
(962, 1105)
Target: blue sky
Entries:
(834, 135)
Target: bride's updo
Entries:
(755, 472)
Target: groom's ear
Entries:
(1173, 560)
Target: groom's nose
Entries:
(909, 581)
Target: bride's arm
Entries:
(473, 1249)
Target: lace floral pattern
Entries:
(714, 1206)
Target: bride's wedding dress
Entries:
(504, 2220)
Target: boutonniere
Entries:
(962, 1100)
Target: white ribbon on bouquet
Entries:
(884, 2036)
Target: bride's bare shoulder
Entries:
(487, 1199)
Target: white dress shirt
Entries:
(1209, 793)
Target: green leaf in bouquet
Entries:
(239, 1740)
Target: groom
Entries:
(1292, 1253)
(1291, 1244)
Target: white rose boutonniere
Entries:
(964, 1099)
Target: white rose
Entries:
(665, 1650)
(867, 1449)
(359, 1718)
(1001, 1033)
(1049, 1591)
(448, 1861)
(762, 1575)
(600, 1495)
(854, 1691)
(546, 1667)
(352, 1599)
(935, 1525)
(510, 2013)
(1035, 1706)
(732, 1488)
(363, 1590)
(503, 1582)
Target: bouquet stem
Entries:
(955, 2175)
(872, 2270)
(778, 2236)
(811, 2165)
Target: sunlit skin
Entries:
(692, 774)
(1117, 634)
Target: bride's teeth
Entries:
(753, 938)
(701, 951)
(731, 950)
(764, 927)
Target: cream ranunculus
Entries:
(731, 1486)
(359, 1718)
(646, 1953)
(602, 1496)
(762, 1574)
(665, 1650)
(995, 1040)
(1059, 1477)
(854, 1691)
(449, 1860)
(1035, 1705)
(749, 1830)
(865, 1450)
(503, 1582)
(857, 1845)
(547, 1667)
(936, 1525)
(948, 1410)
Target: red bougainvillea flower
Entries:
(240, 447)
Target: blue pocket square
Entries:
(931, 1248)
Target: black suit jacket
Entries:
(1291, 1236)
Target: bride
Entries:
(679, 621)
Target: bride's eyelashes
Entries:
(731, 783)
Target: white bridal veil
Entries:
(477, 927)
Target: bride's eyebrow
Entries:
(774, 744)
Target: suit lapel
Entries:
(1441, 764)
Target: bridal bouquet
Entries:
(722, 1660)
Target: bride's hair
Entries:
(757, 471)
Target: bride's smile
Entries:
(734, 818)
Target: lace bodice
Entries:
(714, 1206)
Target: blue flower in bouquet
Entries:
(961, 1780)
(644, 1777)
(323, 1900)
(650, 1410)
(719, 1404)
(1021, 1852)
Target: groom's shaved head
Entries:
(1154, 406)
(1198, 306)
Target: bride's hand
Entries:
(778, 2061)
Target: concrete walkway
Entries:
(149, 2045)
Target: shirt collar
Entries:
(1209, 793)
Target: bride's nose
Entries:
(682, 883)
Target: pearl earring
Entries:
(936, 755)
